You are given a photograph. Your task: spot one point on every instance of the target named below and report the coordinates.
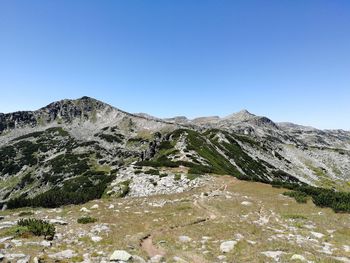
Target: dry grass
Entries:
(220, 217)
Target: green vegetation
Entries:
(177, 177)
(26, 180)
(217, 154)
(152, 171)
(111, 137)
(338, 201)
(295, 217)
(29, 135)
(125, 188)
(37, 227)
(165, 145)
(300, 197)
(86, 220)
(192, 176)
(91, 185)
(70, 163)
(206, 149)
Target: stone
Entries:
(45, 243)
(65, 254)
(2, 240)
(14, 256)
(100, 228)
(276, 255)
(184, 239)
(317, 235)
(84, 209)
(137, 259)
(96, 206)
(120, 255)
(227, 246)
(96, 238)
(246, 203)
(221, 257)
(180, 260)
(58, 222)
(24, 260)
(298, 257)
(156, 259)
(17, 243)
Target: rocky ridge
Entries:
(86, 142)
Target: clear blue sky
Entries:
(288, 60)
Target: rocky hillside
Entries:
(73, 151)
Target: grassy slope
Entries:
(288, 223)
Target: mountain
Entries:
(72, 151)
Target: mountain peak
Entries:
(242, 115)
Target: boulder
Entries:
(84, 209)
(120, 255)
(65, 254)
(184, 239)
(58, 222)
(246, 203)
(227, 246)
(96, 206)
(298, 257)
(96, 238)
(156, 259)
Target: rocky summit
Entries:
(213, 175)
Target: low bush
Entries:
(152, 171)
(338, 201)
(300, 197)
(86, 220)
(38, 227)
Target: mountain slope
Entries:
(73, 151)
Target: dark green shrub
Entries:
(77, 190)
(152, 171)
(177, 177)
(86, 220)
(38, 227)
(300, 197)
(192, 176)
(165, 145)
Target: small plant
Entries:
(192, 176)
(295, 217)
(177, 177)
(38, 227)
(86, 220)
(152, 172)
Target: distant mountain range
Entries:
(80, 149)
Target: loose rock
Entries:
(227, 246)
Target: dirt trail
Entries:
(152, 250)
(211, 214)
(148, 246)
